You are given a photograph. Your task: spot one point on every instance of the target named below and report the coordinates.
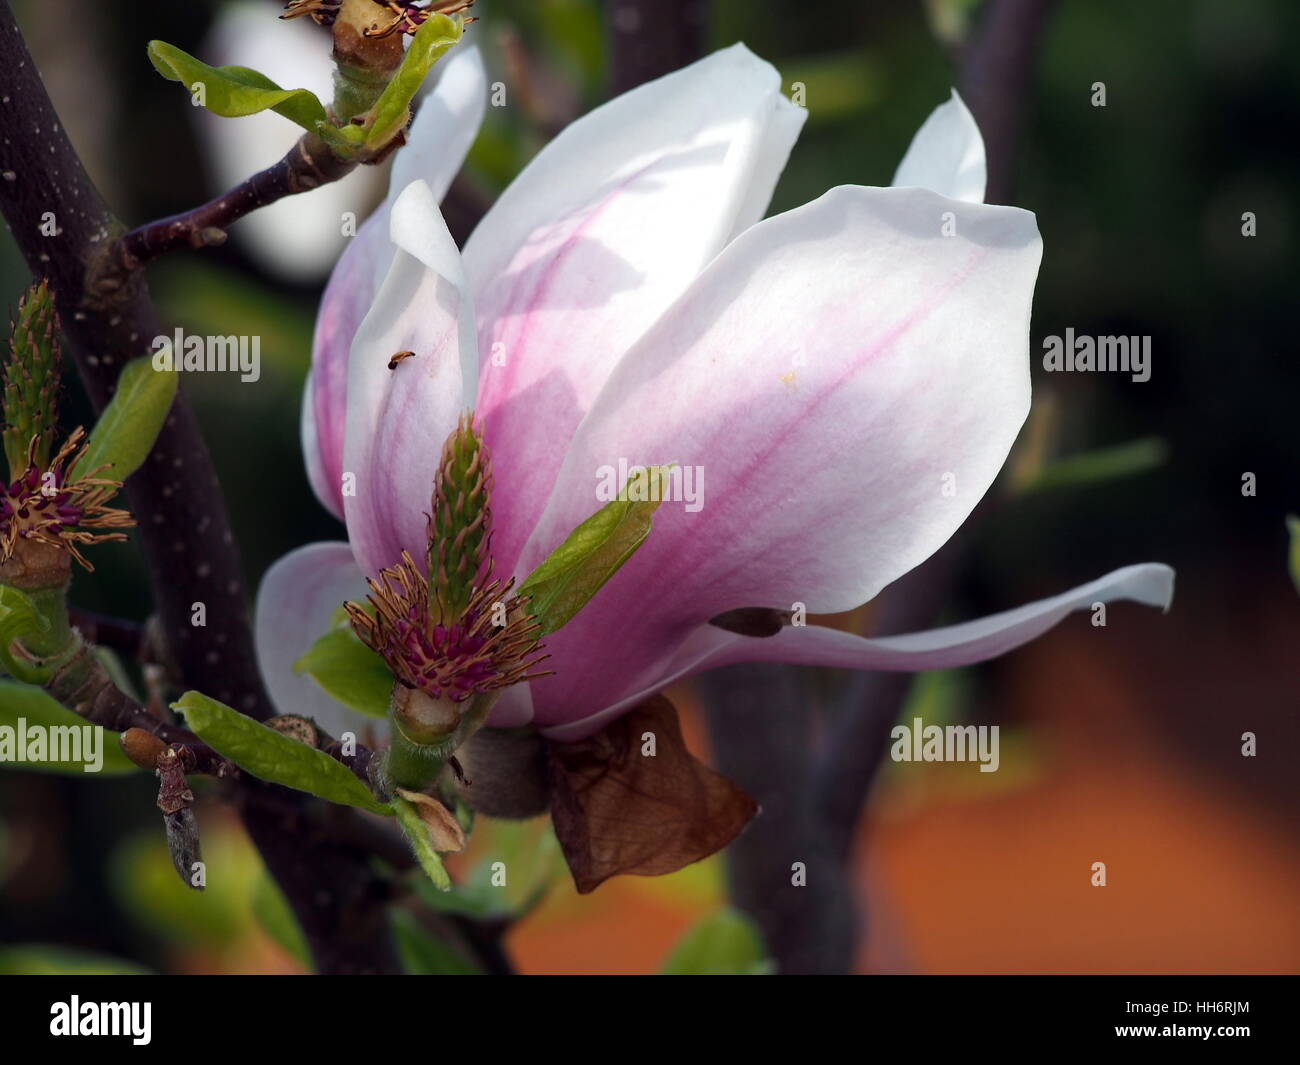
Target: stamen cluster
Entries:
(451, 630)
(406, 16)
(46, 504)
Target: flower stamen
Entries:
(408, 16)
(57, 508)
(322, 12)
(447, 628)
(492, 644)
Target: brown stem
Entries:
(82, 684)
(308, 165)
(760, 726)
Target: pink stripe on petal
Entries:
(828, 373)
(598, 235)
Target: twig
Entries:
(871, 702)
(308, 165)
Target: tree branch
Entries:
(184, 528)
(871, 703)
(308, 165)
(760, 721)
(812, 804)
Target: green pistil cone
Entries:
(31, 380)
(460, 522)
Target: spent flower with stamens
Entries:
(322, 12)
(408, 17)
(50, 503)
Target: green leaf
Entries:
(37, 709)
(274, 914)
(1293, 526)
(594, 551)
(349, 671)
(392, 109)
(725, 943)
(1104, 464)
(424, 954)
(126, 431)
(345, 141)
(235, 91)
(269, 755)
(417, 834)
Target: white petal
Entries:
(601, 232)
(295, 605)
(946, 155)
(398, 419)
(442, 133)
(848, 379)
(779, 135)
(448, 120)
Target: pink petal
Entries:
(295, 604)
(828, 371)
(443, 130)
(1151, 584)
(398, 418)
(597, 236)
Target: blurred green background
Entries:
(1139, 204)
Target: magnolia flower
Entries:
(849, 375)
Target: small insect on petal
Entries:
(401, 356)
